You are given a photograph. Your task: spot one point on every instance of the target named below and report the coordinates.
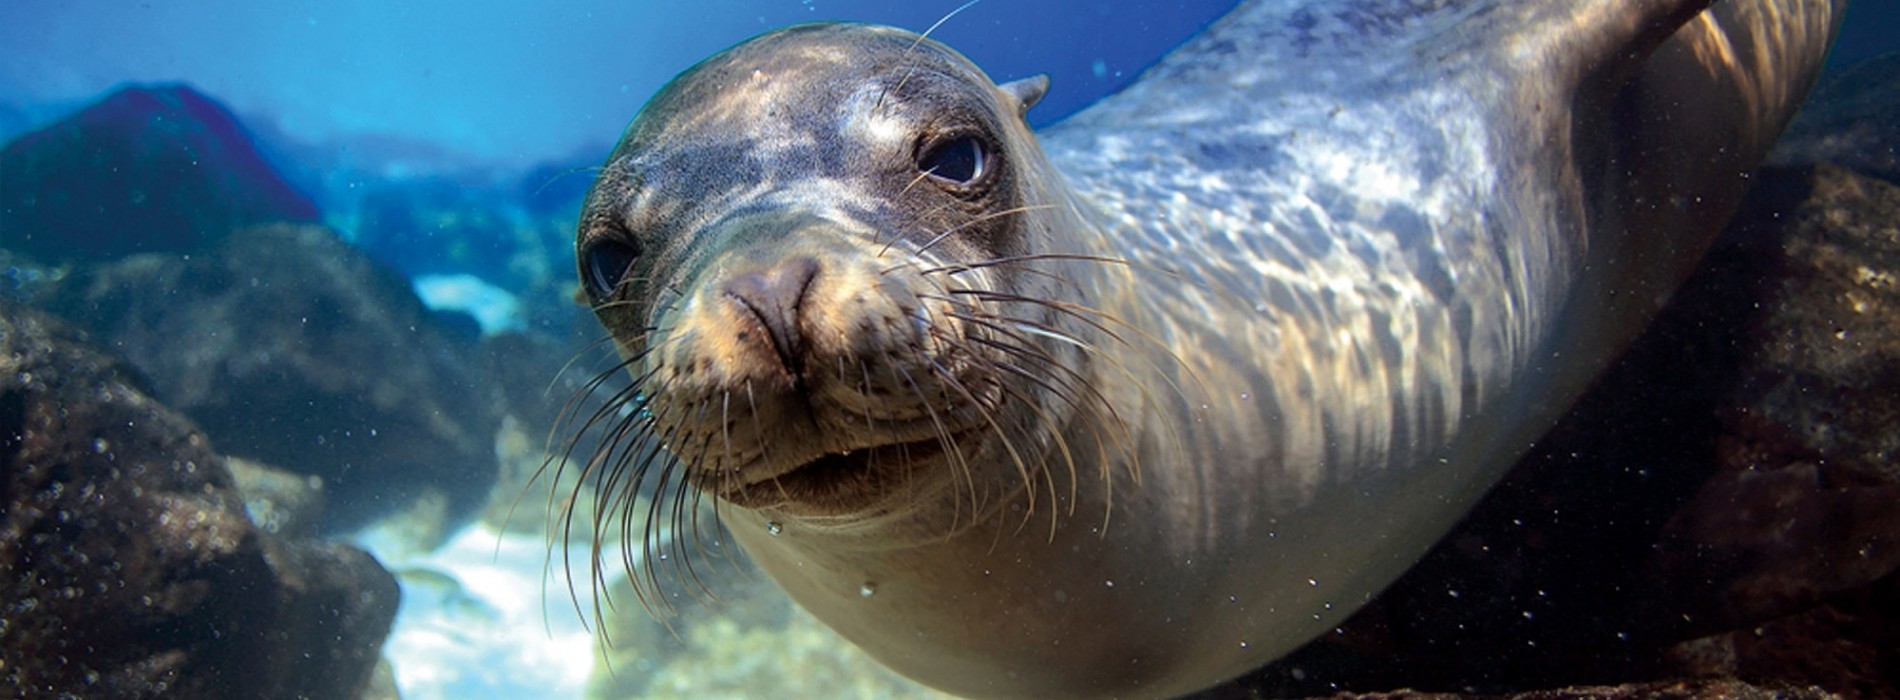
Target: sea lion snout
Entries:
(774, 297)
(813, 364)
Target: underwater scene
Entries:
(1363, 348)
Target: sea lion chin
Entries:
(1137, 424)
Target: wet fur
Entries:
(1396, 245)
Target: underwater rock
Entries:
(129, 567)
(146, 169)
(1677, 690)
(292, 348)
(282, 503)
(1721, 504)
(1851, 120)
(1809, 470)
(1786, 555)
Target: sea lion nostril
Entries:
(774, 296)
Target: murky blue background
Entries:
(509, 84)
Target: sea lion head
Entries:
(818, 253)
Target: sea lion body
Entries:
(1148, 407)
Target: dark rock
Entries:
(1852, 120)
(1786, 554)
(1845, 645)
(1829, 356)
(1668, 690)
(128, 566)
(146, 169)
(1722, 503)
(292, 348)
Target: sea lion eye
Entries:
(607, 264)
(959, 160)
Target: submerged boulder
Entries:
(292, 348)
(128, 567)
(160, 168)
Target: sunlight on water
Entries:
(478, 619)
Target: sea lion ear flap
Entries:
(1027, 91)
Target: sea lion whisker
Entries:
(988, 415)
(1023, 346)
(1053, 430)
(987, 216)
(864, 389)
(958, 463)
(551, 179)
(1096, 411)
(603, 463)
(718, 524)
(617, 449)
(879, 103)
(615, 405)
(682, 520)
(1011, 331)
(686, 520)
(1085, 313)
(558, 460)
(914, 221)
(725, 429)
(698, 531)
(978, 406)
(656, 511)
(571, 408)
(914, 181)
(624, 501)
(602, 342)
(602, 454)
(612, 304)
(1079, 312)
(962, 267)
(758, 429)
(609, 468)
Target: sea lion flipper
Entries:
(1678, 109)
(1027, 91)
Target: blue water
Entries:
(398, 116)
(507, 83)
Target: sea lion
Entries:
(1141, 408)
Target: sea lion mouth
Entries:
(840, 479)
